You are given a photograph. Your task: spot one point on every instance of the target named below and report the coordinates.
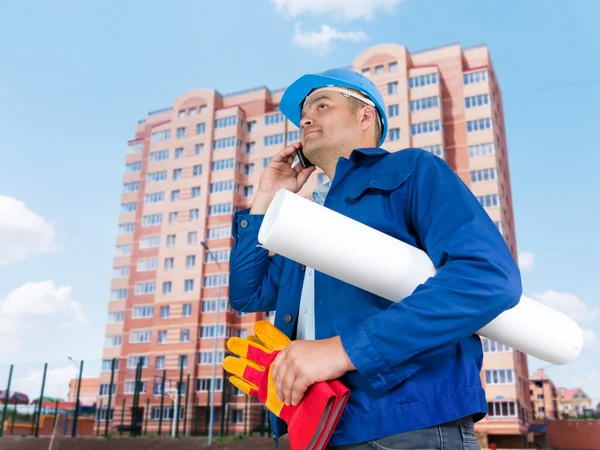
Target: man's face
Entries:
(327, 122)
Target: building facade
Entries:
(545, 397)
(190, 166)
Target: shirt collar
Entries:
(320, 193)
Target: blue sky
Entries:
(76, 77)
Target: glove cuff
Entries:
(308, 421)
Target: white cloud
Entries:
(23, 232)
(322, 41)
(346, 9)
(57, 382)
(36, 307)
(526, 260)
(589, 338)
(568, 304)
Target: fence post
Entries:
(76, 415)
(147, 411)
(136, 398)
(6, 396)
(162, 401)
(110, 390)
(37, 420)
(185, 410)
(178, 396)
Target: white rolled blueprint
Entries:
(392, 269)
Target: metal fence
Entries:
(131, 398)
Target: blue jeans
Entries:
(456, 435)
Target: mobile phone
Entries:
(303, 160)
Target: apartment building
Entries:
(191, 165)
(545, 396)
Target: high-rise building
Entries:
(190, 166)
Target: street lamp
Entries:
(75, 416)
(214, 365)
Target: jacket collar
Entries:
(359, 154)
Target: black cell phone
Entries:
(303, 160)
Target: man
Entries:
(413, 367)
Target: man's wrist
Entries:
(344, 358)
(261, 203)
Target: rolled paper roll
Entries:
(392, 269)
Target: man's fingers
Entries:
(289, 379)
(304, 174)
(287, 151)
(298, 390)
(276, 374)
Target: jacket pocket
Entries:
(379, 184)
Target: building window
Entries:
(274, 118)
(489, 201)
(160, 155)
(392, 88)
(424, 103)
(499, 376)
(475, 77)
(200, 128)
(188, 285)
(423, 80)
(167, 287)
(482, 175)
(478, 150)
(155, 177)
(226, 122)
(187, 310)
(477, 100)
(155, 197)
(479, 125)
(394, 134)
(274, 139)
(220, 209)
(169, 263)
(142, 312)
(437, 150)
(490, 346)
(181, 132)
(184, 336)
(178, 152)
(393, 110)
(165, 312)
(223, 164)
(425, 127)
(140, 337)
(503, 409)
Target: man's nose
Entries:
(305, 122)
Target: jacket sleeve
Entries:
(477, 279)
(253, 275)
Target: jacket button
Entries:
(244, 223)
(288, 318)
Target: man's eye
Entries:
(322, 105)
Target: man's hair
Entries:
(355, 105)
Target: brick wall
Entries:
(574, 434)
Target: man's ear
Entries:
(368, 116)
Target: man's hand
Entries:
(279, 174)
(303, 363)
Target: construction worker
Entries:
(413, 367)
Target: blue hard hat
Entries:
(294, 96)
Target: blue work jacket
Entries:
(417, 361)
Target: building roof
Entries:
(14, 396)
(569, 394)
